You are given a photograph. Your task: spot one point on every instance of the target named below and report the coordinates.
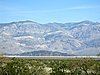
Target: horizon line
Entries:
(48, 22)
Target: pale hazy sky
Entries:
(44, 11)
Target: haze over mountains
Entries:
(80, 38)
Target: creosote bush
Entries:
(23, 66)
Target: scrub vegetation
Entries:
(24, 66)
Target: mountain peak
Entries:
(27, 21)
(87, 22)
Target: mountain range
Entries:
(76, 38)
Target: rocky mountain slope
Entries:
(80, 38)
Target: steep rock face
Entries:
(82, 38)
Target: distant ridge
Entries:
(41, 53)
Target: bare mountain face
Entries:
(82, 38)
